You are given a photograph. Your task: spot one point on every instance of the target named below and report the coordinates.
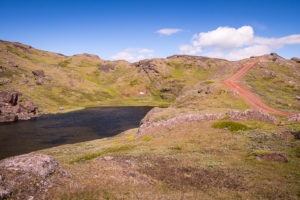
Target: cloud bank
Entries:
(235, 44)
(168, 31)
(133, 54)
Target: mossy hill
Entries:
(217, 158)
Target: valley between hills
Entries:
(219, 129)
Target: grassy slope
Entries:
(192, 160)
(279, 89)
(76, 82)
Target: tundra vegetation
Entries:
(221, 158)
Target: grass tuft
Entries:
(232, 126)
(209, 82)
(177, 148)
(259, 153)
(148, 138)
(65, 63)
(130, 138)
(226, 117)
(97, 154)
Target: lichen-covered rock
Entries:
(272, 156)
(37, 164)
(38, 73)
(9, 97)
(11, 111)
(8, 117)
(30, 106)
(177, 120)
(19, 184)
(252, 115)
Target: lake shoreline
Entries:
(50, 130)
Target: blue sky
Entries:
(133, 30)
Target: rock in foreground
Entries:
(38, 164)
(24, 176)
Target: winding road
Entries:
(253, 100)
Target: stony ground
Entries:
(208, 144)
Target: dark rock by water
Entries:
(11, 110)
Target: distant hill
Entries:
(84, 80)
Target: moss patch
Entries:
(97, 154)
(148, 138)
(232, 126)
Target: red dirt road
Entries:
(253, 100)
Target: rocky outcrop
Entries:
(106, 68)
(270, 156)
(297, 60)
(38, 164)
(150, 69)
(252, 115)
(171, 123)
(38, 73)
(27, 172)
(11, 111)
(9, 98)
(40, 77)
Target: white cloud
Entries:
(189, 49)
(277, 43)
(133, 54)
(168, 31)
(255, 50)
(224, 38)
(234, 44)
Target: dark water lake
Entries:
(79, 126)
